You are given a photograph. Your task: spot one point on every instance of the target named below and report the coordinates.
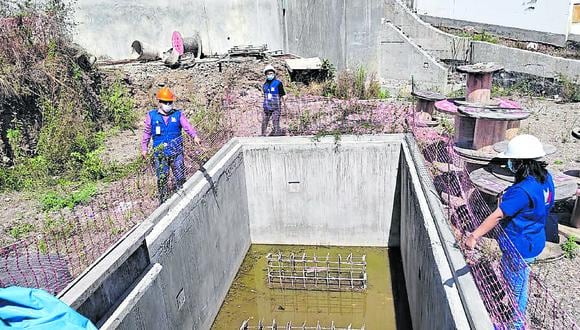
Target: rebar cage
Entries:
(314, 273)
(289, 326)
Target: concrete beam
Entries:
(524, 61)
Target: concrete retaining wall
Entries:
(543, 21)
(324, 193)
(143, 300)
(202, 242)
(346, 32)
(403, 61)
(437, 278)
(442, 45)
(365, 190)
(525, 61)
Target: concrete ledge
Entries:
(461, 277)
(508, 32)
(525, 61)
(98, 288)
(143, 298)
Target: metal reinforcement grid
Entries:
(326, 273)
(289, 326)
(73, 238)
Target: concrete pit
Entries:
(174, 270)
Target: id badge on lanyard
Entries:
(157, 128)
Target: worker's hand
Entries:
(197, 140)
(144, 154)
(470, 241)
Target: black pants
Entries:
(275, 115)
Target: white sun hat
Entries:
(524, 147)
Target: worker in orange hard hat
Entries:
(164, 125)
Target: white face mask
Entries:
(166, 107)
(511, 167)
(271, 76)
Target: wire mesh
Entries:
(76, 237)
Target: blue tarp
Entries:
(26, 308)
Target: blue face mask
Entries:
(270, 76)
(511, 167)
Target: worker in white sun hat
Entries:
(522, 212)
(273, 95)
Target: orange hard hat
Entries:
(165, 94)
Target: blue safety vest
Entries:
(168, 135)
(526, 229)
(272, 95)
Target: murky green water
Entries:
(250, 298)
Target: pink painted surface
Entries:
(509, 104)
(446, 106)
(177, 42)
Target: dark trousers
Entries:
(275, 115)
(162, 164)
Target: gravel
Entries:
(562, 279)
(552, 123)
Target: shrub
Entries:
(570, 247)
(486, 37)
(207, 119)
(119, 107)
(358, 84)
(51, 200)
(570, 90)
(21, 230)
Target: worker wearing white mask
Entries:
(273, 95)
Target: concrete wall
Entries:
(437, 278)
(534, 20)
(442, 45)
(202, 242)
(401, 60)
(346, 32)
(524, 61)
(366, 190)
(322, 193)
(108, 27)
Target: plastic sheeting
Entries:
(38, 310)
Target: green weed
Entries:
(570, 90)
(54, 201)
(42, 247)
(570, 247)
(486, 37)
(448, 126)
(207, 119)
(58, 228)
(21, 230)
(119, 106)
(14, 139)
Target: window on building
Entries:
(576, 13)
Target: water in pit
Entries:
(382, 306)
